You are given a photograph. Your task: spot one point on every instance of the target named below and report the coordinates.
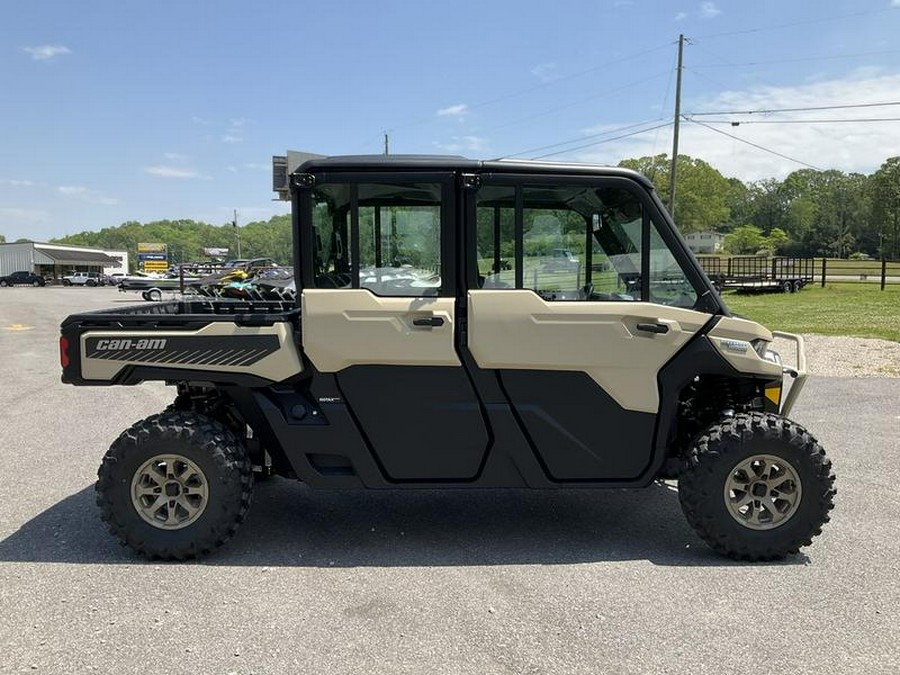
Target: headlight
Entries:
(761, 347)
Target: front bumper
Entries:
(797, 372)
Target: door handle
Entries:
(431, 321)
(653, 327)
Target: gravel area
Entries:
(833, 356)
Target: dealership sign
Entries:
(151, 248)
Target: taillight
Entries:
(64, 352)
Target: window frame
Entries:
(354, 179)
(651, 211)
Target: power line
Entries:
(606, 140)
(579, 139)
(568, 77)
(605, 92)
(755, 145)
(825, 19)
(729, 64)
(735, 123)
(765, 111)
(543, 85)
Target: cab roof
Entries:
(462, 164)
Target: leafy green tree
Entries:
(885, 195)
(702, 193)
(745, 240)
(2, 239)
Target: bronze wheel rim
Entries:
(762, 492)
(169, 492)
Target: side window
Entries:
(572, 242)
(495, 237)
(668, 283)
(395, 228)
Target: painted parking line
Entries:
(17, 326)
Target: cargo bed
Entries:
(223, 341)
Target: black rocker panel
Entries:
(579, 432)
(423, 423)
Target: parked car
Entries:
(116, 278)
(22, 279)
(83, 279)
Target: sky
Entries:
(117, 110)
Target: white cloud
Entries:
(231, 138)
(463, 144)
(46, 52)
(172, 172)
(681, 16)
(849, 147)
(175, 157)
(708, 10)
(15, 183)
(458, 110)
(86, 195)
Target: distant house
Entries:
(705, 242)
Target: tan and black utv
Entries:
(440, 339)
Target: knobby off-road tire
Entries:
(175, 486)
(756, 487)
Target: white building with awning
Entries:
(53, 261)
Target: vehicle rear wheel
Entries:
(35, 283)
(90, 282)
(66, 282)
(3, 283)
(756, 487)
(154, 295)
(787, 286)
(175, 486)
(798, 286)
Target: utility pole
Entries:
(386, 145)
(674, 169)
(237, 233)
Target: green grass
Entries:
(861, 310)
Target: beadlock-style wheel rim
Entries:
(169, 492)
(762, 492)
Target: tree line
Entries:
(809, 213)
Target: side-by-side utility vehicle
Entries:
(432, 345)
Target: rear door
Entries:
(577, 346)
(379, 312)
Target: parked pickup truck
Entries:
(413, 358)
(22, 279)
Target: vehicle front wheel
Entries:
(756, 487)
(175, 486)
(3, 283)
(154, 295)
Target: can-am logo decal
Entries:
(120, 344)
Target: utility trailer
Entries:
(410, 359)
(758, 273)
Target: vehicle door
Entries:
(378, 311)
(577, 346)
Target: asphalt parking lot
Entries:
(424, 582)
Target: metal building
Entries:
(53, 261)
